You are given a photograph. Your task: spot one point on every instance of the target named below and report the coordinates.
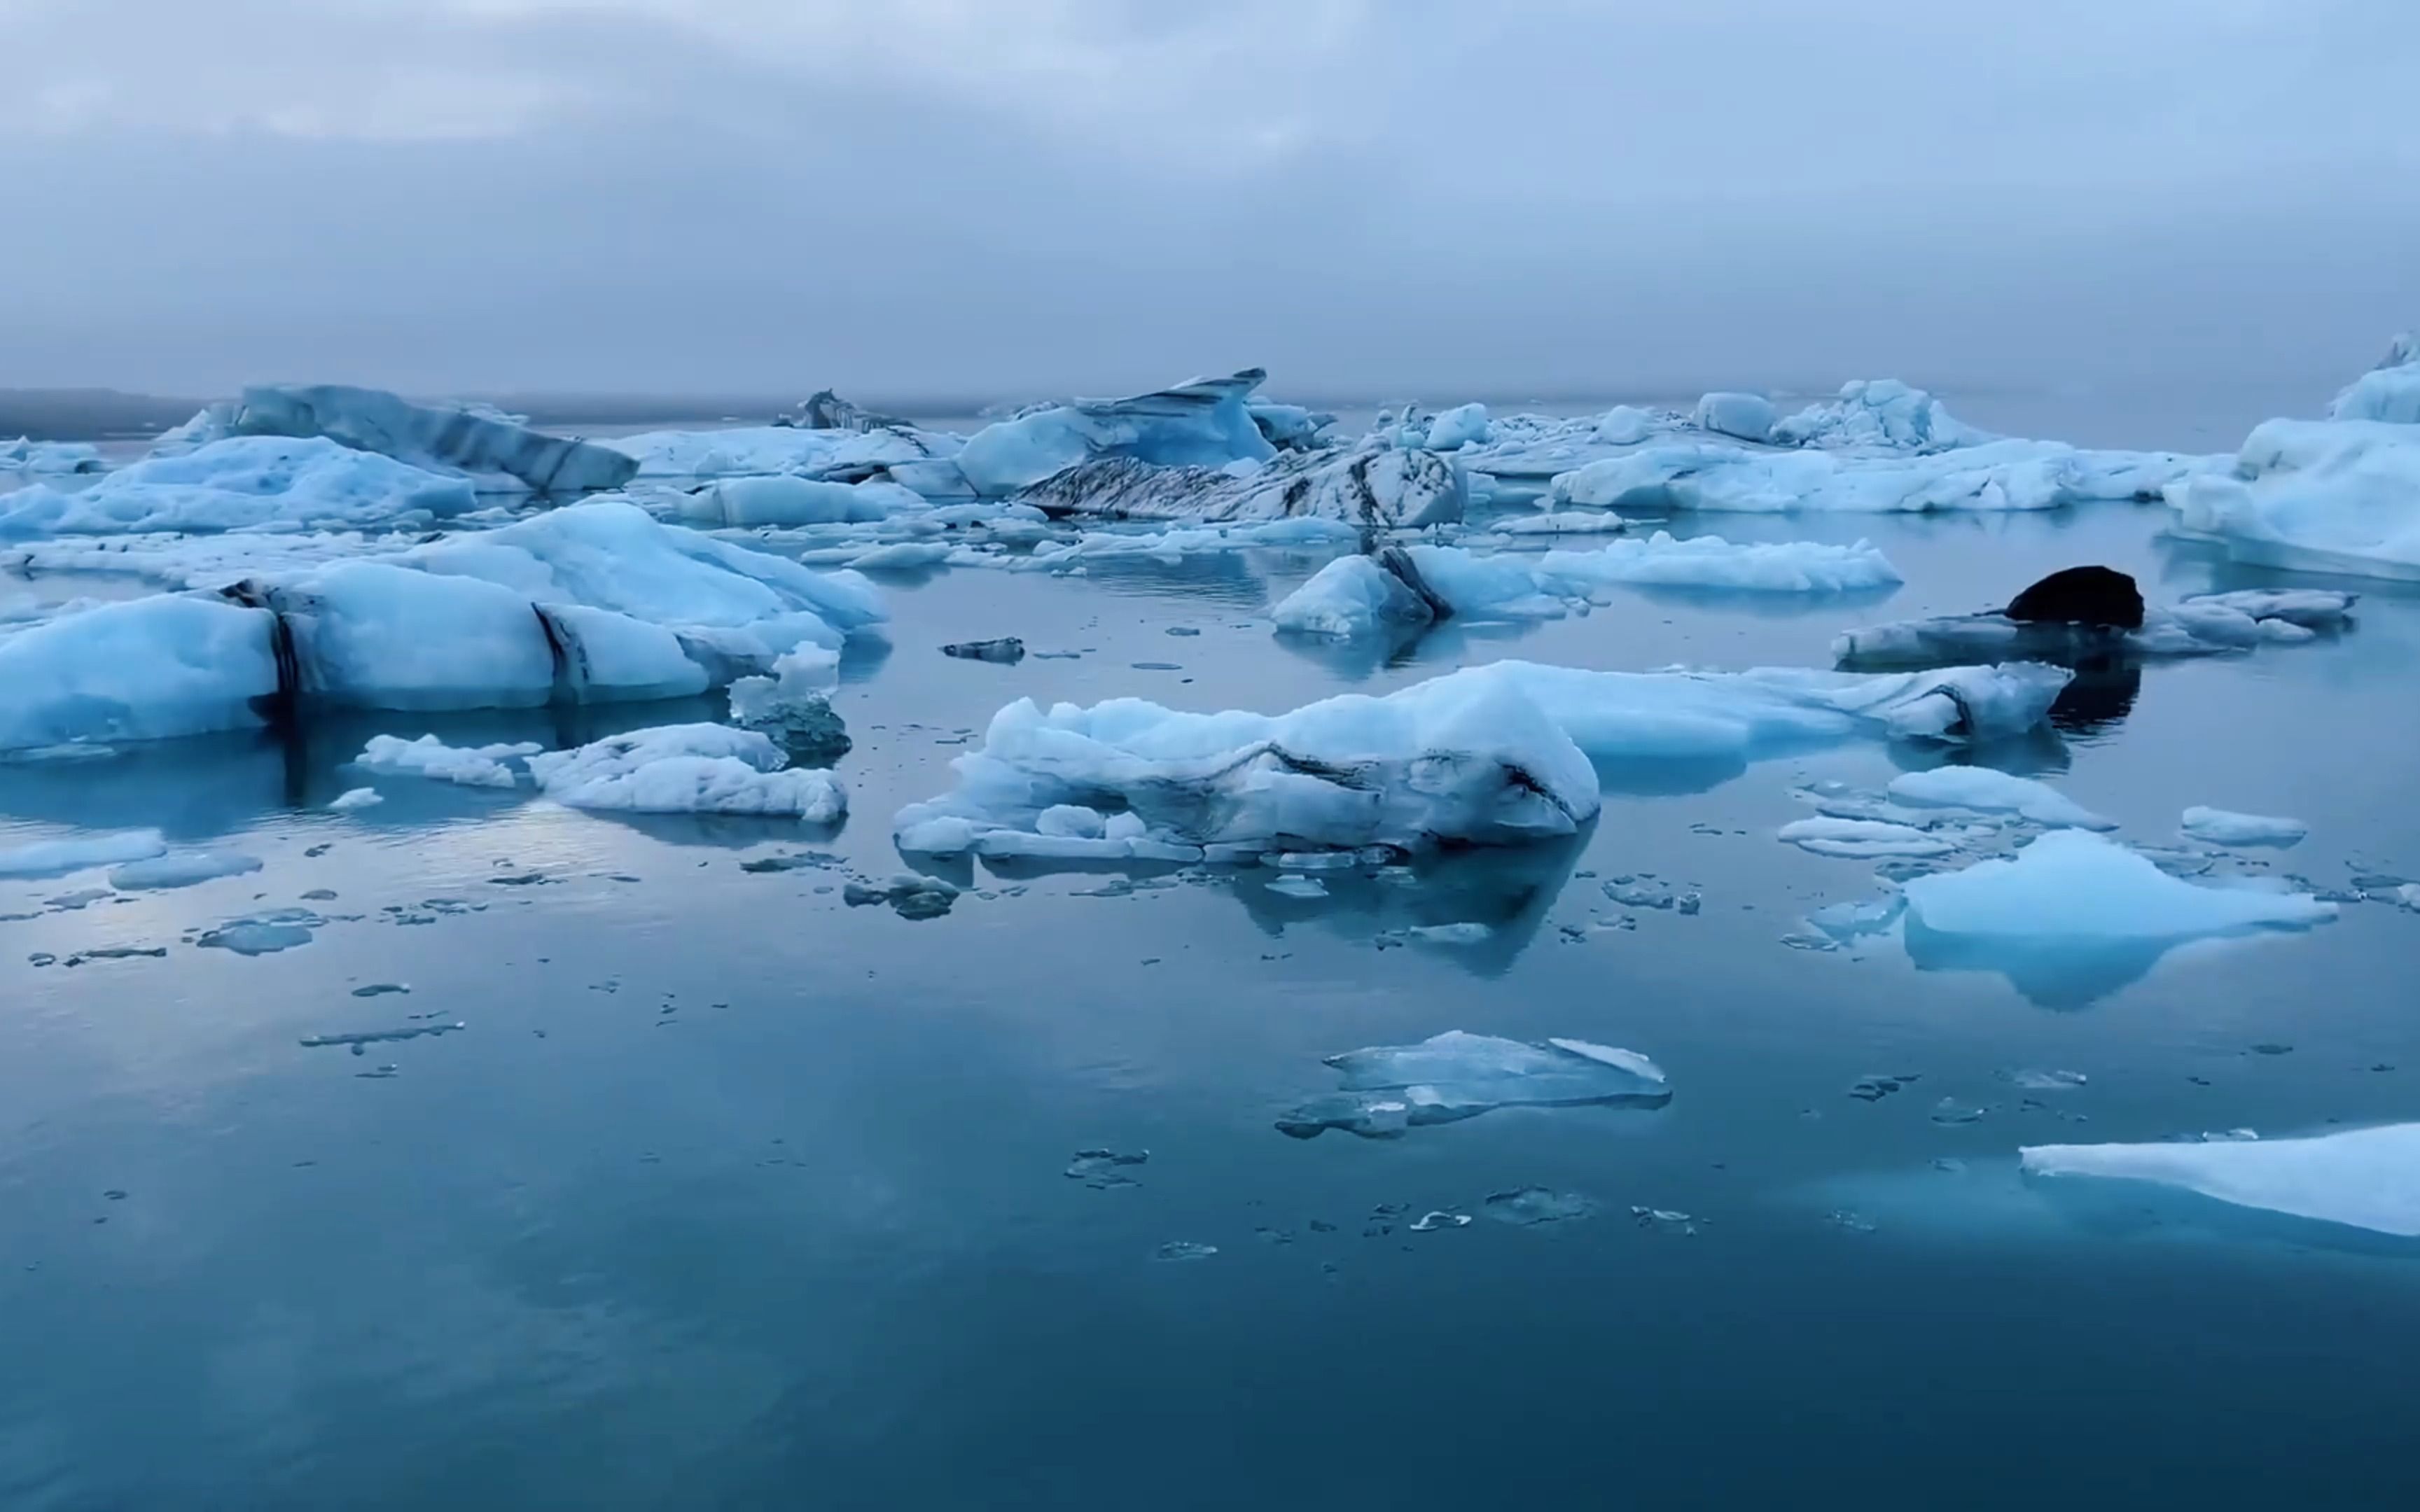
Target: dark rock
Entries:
(2082, 595)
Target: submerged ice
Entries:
(2366, 1179)
(1387, 1090)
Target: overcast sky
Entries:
(1386, 196)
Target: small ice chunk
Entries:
(282, 928)
(1298, 887)
(1177, 1251)
(2217, 826)
(182, 869)
(1861, 839)
(1748, 416)
(689, 768)
(1531, 1206)
(1072, 820)
(2045, 1081)
(2367, 1180)
(1986, 791)
(355, 798)
(911, 895)
(62, 857)
(1457, 1075)
(478, 766)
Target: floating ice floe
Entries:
(354, 799)
(689, 768)
(469, 767)
(25, 455)
(2367, 1179)
(182, 869)
(2075, 916)
(1172, 545)
(1561, 522)
(2320, 496)
(1862, 839)
(792, 705)
(1994, 475)
(2205, 625)
(2389, 392)
(243, 484)
(1350, 598)
(2218, 827)
(1986, 791)
(1381, 486)
(80, 852)
(1531, 449)
(1206, 422)
(1489, 755)
(476, 440)
(1389, 1088)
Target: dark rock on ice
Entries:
(2081, 596)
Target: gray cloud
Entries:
(1382, 196)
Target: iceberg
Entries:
(2218, 827)
(689, 768)
(1986, 791)
(2389, 392)
(476, 767)
(827, 411)
(244, 484)
(2205, 624)
(2367, 1179)
(1387, 1089)
(593, 603)
(141, 670)
(44, 858)
(1375, 486)
(1348, 596)
(469, 440)
(1204, 423)
(1879, 414)
(25, 456)
(1747, 416)
(793, 706)
(1990, 477)
(2318, 496)
(1289, 428)
(1493, 755)
(1531, 449)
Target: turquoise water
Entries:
(727, 1194)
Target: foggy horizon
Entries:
(950, 199)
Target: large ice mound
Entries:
(1879, 414)
(1489, 755)
(2322, 495)
(462, 439)
(1380, 487)
(1387, 1089)
(1203, 422)
(244, 484)
(2368, 1178)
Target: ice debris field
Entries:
(306, 557)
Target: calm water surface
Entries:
(729, 1196)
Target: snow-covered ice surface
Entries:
(1989, 477)
(471, 766)
(517, 1074)
(244, 483)
(2366, 1179)
(1383, 486)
